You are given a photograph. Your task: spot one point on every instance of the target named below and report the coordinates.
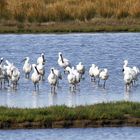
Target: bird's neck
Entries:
(61, 58)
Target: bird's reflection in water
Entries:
(52, 98)
(35, 99)
(72, 99)
(8, 96)
(105, 96)
(10, 100)
(127, 95)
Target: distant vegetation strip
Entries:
(62, 16)
(98, 115)
(67, 10)
(96, 25)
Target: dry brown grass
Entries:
(67, 10)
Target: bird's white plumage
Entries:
(80, 68)
(63, 62)
(35, 77)
(41, 59)
(27, 67)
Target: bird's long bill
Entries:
(1, 61)
(61, 58)
(23, 60)
(52, 71)
(43, 58)
(37, 70)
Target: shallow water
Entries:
(127, 133)
(104, 49)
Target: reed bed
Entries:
(67, 10)
(110, 111)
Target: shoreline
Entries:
(113, 114)
(133, 122)
(93, 26)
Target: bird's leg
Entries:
(104, 83)
(91, 79)
(13, 85)
(25, 75)
(98, 81)
(126, 87)
(8, 82)
(35, 86)
(94, 79)
(57, 83)
(74, 86)
(38, 87)
(134, 82)
(4, 83)
(16, 85)
(51, 88)
(70, 87)
(131, 83)
(1, 85)
(54, 89)
(28, 75)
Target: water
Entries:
(128, 133)
(104, 49)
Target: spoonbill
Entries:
(63, 62)
(27, 67)
(103, 76)
(71, 79)
(41, 59)
(35, 77)
(52, 79)
(41, 69)
(81, 69)
(15, 77)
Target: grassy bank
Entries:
(96, 25)
(105, 114)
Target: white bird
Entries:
(128, 79)
(9, 68)
(8, 71)
(131, 71)
(41, 59)
(41, 69)
(77, 74)
(15, 77)
(80, 68)
(94, 72)
(1, 72)
(27, 67)
(137, 72)
(91, 74)
(3, 75)
(125, 66)
(63, 62)
(58, 74)
(52, 79)
(103, 76)
(35, 77)
(136, 69)
(71, 79)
